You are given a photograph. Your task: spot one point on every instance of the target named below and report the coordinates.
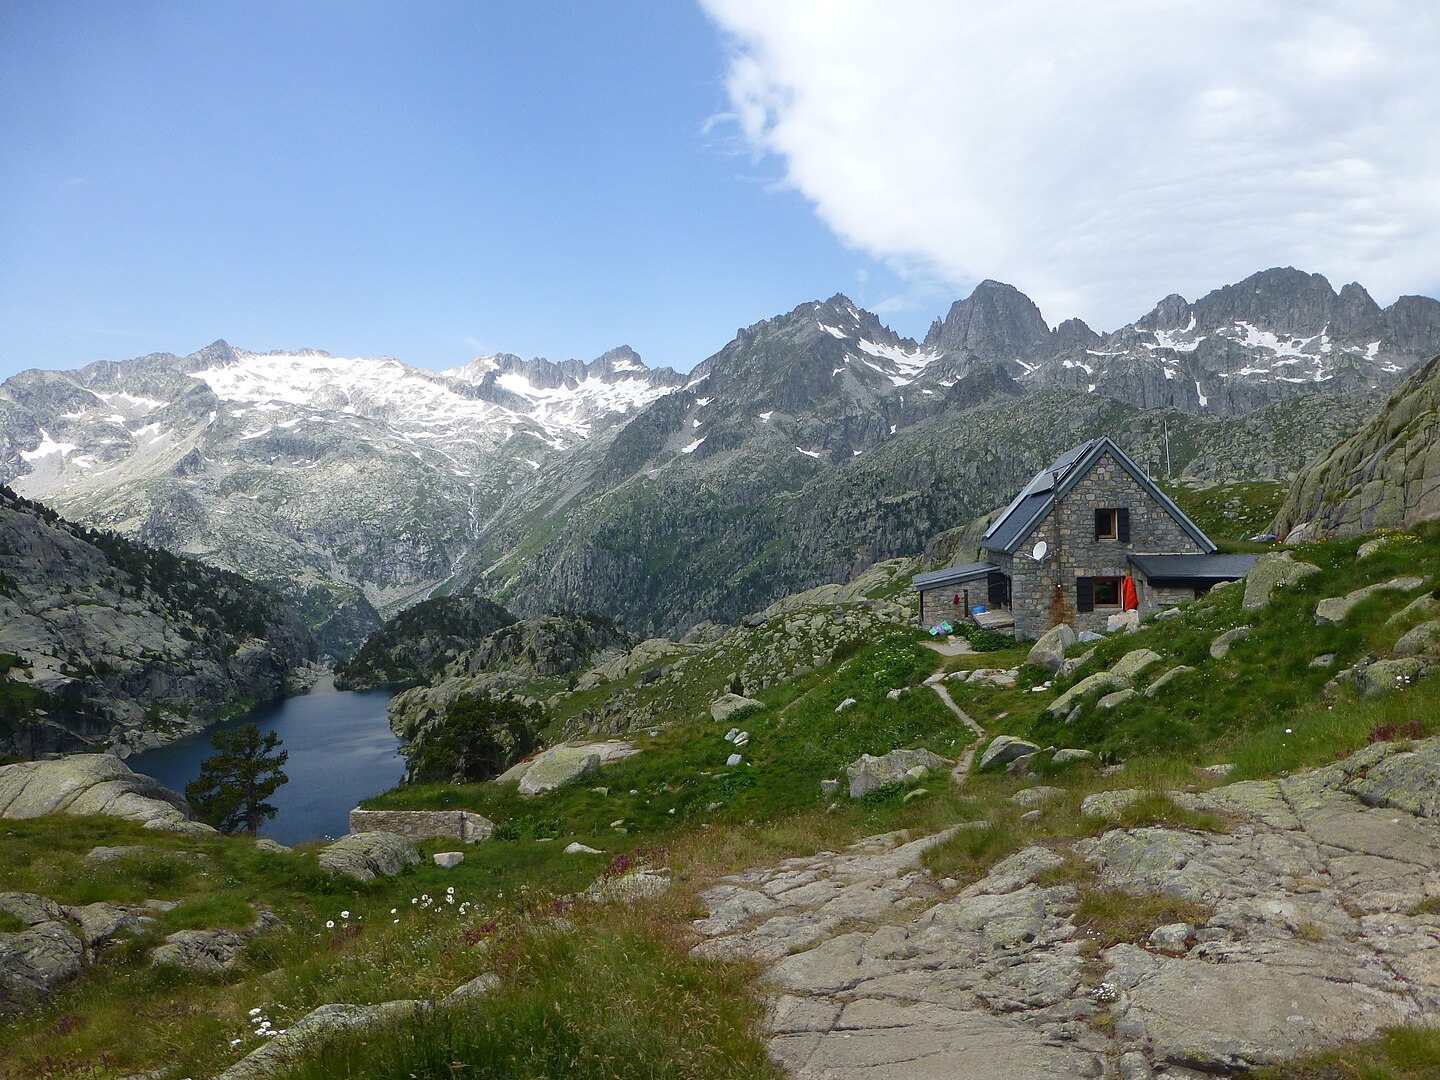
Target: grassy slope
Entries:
(124, 1016)
(630, 992)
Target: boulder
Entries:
(366, 856)
(448, 860)
(1335, 609)
(1109, 805)
(1049, 651)
(556, 766)
(1167, 678)
(1370, 547)
(1420, 640)
(640, 884)
(36, 962)
(577, 848)
(1004, 749)
(101, 923)
(272, 846)
(92, 785)
(1127, 621)
(104, 854)
(1407, 780)
(1220, 647)
(205, 952)
(478, 988)
(722, 707)
(463, 825)
(992, 676)
(1034, 796)
(1172, 937)
(868, 772)
(1270, 572)
(1426, 606)
(310, 1032)
(1015, 871)
(1089, 635)
(1134, 662)
(40, 959)
(1100, 682)
(1323, 660)
(1064, 757)
(1075, 663)
(1115, 700)
(1024, 765)
(1382, 676)
(845, 704)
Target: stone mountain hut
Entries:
(1089, 537)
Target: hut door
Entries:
(999, 590)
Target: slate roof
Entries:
(952, 575)
(1192, 568)
(1037, 498)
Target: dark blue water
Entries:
(341, 751)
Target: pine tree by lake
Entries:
(340, 747)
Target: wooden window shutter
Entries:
(1084, 594)
(1122, 524)
(1102, 523)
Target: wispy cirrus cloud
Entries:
(1098, 154)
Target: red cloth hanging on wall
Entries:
(1129, 600)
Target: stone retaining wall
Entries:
(423, 824)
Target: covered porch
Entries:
(952, 595)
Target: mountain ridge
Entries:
(360, 486)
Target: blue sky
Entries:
(433, 181)
(424, 181)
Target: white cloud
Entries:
(1099, 154)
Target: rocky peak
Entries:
(1355, 313)
(1172, 313)
(218, 353)
(1282, 300)
(1412, 323)
(1074, 334)
(995, 321)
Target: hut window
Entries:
(1113, 523)
(1107, 591)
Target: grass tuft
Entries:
(1109, 916)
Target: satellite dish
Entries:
(1040, 550)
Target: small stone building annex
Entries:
(1090, 536)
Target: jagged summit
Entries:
(996, 321)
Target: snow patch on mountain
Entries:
(47, 447)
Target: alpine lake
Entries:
(340, 747)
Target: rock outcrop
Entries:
(366, 856)
(1336, 609)
(98, 784)
(1386, 475)
(106, 643)
(1311, 923)
(41, 958)
(868, 772)
(1272, 571)
(1049, 649)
